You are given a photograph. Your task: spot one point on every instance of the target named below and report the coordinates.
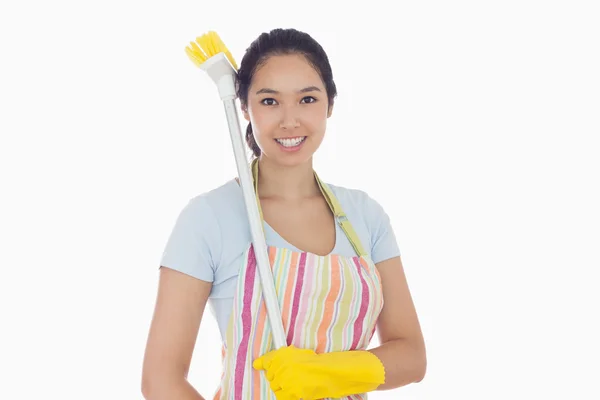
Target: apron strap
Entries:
(334, 205)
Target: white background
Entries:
(475, 124)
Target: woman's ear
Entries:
(330, 111)
(245, 113)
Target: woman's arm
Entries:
(180, 303)
(402, 349)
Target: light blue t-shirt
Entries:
(212, 233)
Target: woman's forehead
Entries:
(289, 73)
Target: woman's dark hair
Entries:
(281, 42)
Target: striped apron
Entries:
(328, 303)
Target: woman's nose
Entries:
(289, 118)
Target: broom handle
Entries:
(256, 226)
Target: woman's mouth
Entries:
(291, 144)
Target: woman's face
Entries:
(288, 109)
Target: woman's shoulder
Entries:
(218, 199)
(355, 198)
(206, 233)
(214, 210)
(370, 220)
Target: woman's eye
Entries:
(268, 102)
(272, 102)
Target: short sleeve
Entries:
(194, 245)
(383, 238)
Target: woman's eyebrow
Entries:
(273, 91)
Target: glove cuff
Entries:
(357, 366)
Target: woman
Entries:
(335, 259)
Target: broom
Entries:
(210, 54)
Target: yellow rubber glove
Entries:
(296, 373)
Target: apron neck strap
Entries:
(334, 205)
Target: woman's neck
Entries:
(287, 183)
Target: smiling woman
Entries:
(334, 255)
(287, 94)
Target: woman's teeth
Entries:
(290, 142)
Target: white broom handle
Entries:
(258, 238)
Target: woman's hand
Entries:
(296, 373)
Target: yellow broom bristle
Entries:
(205, 47)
